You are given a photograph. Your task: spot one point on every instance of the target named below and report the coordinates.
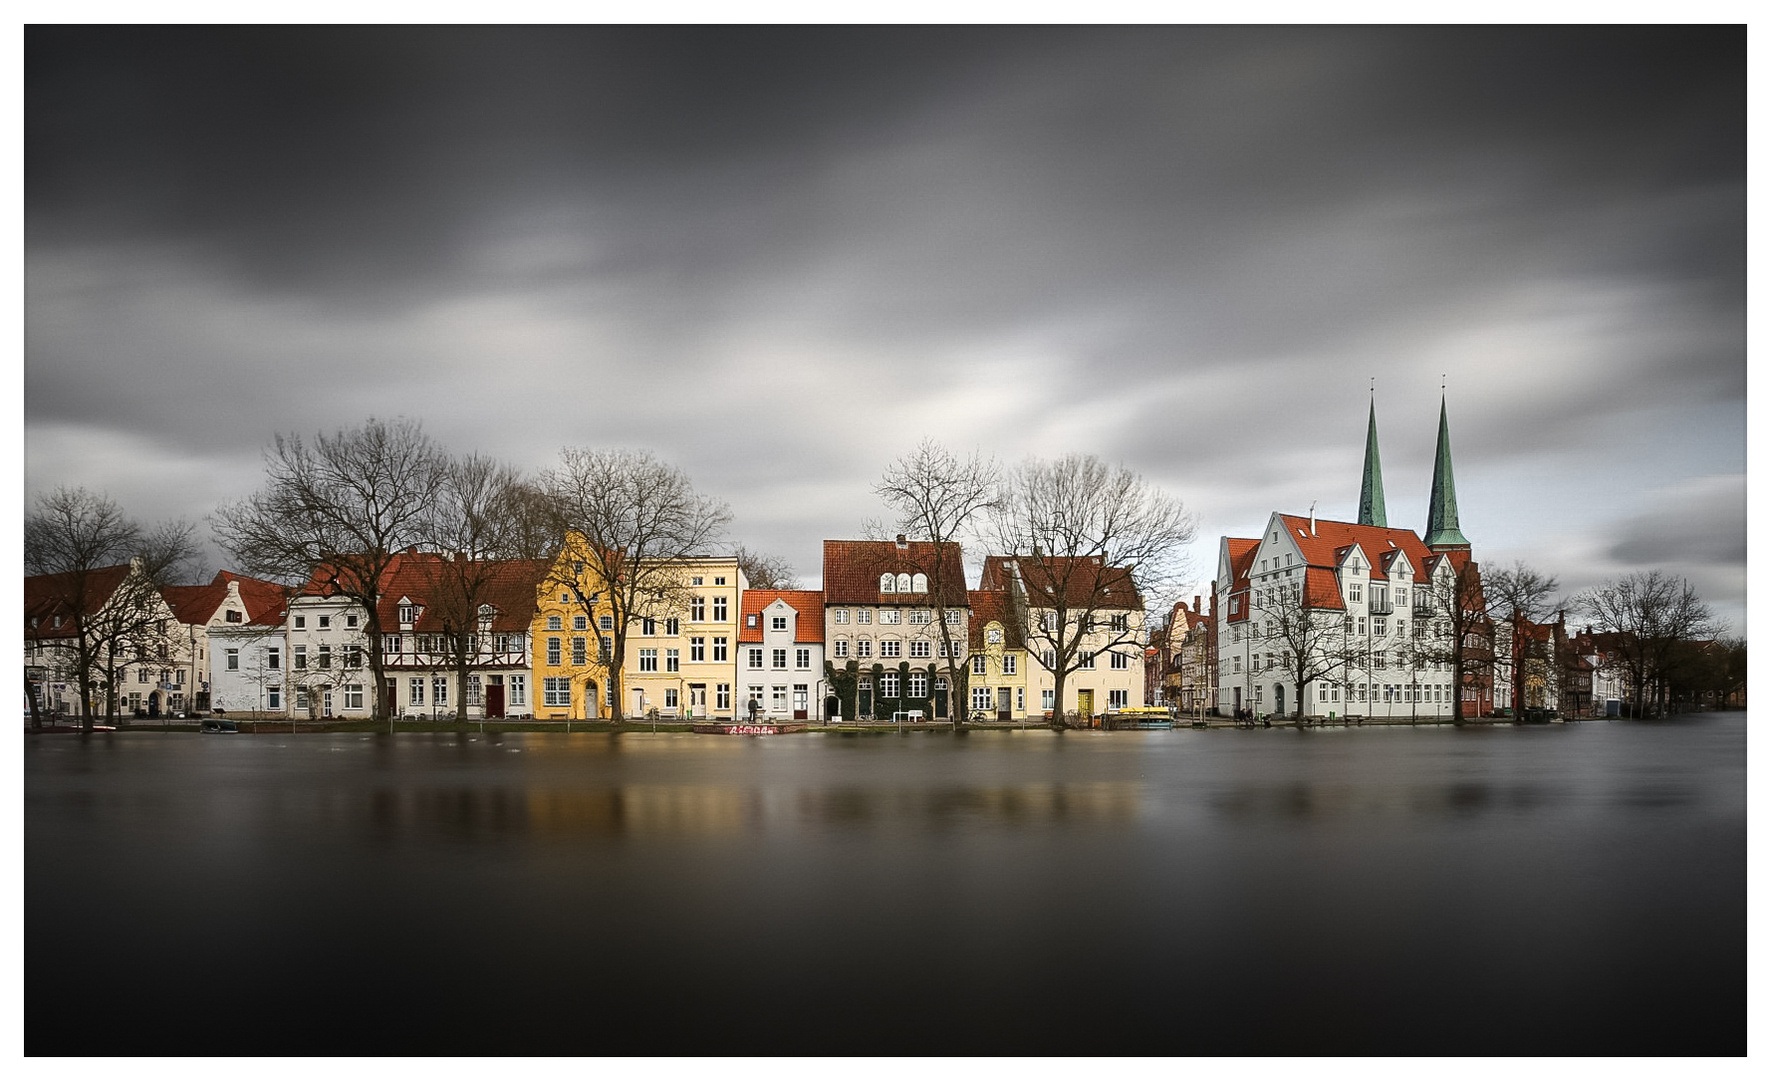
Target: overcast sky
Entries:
(781, 257)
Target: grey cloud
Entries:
(1704, 523)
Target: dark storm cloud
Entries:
(1188, 248)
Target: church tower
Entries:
(1441, 515)
(1370, 495)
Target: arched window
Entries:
(887, 583)
(903, 583)
(919, 583)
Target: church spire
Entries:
(1370, 496)
(1441, 514)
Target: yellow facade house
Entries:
(998, 676)
(571, 662)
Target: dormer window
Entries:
(750, 620)
(232, 615)
(903, 583)
(408, 614)
(778, 622)
(919, 583)
(887, 583)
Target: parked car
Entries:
(220, 727)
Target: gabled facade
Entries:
(999, 664)
(887, 632)
(781, 656)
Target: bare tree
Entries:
(1517, 595)
(339, 508)
(1309, 642)
(629, 519)
(94, 597)
(766, 571)
(1650, 613)
(942, 499)
(478, 523)
(1455, 631)
(1090, 543)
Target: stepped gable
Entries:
(852, 569)
(197, 604)
(809, 626)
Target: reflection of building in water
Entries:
(1111, 800)
(659, 808)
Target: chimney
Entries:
(1196, 610)
(902, 541)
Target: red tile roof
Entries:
(808, 627)
(1083, 580)
(264, 600)
(423, 578)
(49, 595)
(852, 569)
(995, 605)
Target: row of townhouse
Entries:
(146, 645)
(876, 643)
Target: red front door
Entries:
(494, 703)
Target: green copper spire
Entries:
(1370, 496)
(1441, 515)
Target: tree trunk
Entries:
(1057, 702)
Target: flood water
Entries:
(1573, 888)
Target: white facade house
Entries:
(781, 656)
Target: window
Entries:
(980, 698)
(841, 615)
(325, 655)
(1120, 661)
(301, 698)
(353, 696)
(299, 653)
(919, 684)
(1356, 593)
(1048, 621)
(719, 609)
(755, 658)
(440, 690)
(890, 617)
(1050, 659)
(350, 621)
(648, 659)
(519, 690)
(863, 649)
(553, 658)
(556, 692)
(672, 659)
(697, 609)
(648, 627)
(719, 655)
(777, 622)
(1120, 622)
(1009, 663)
(697, 649)
(863, 616)
(273, 696)
(233, 660)
(672, 626)
(887, 583)
(353, 656)
(406, 614)
(605, 622)
(231, 616)
(273, 658)
(780, 658)
(1379, 626)
(415, 692)
(1087, 661)
(841, 647)
(670, 697)
(1235, 664)
(919, 583)
(952, 618)
(1020, 698)
(921, 650)
(606, 651)
(1118, 699)
(718, 581)
(890, 648)
(300, 622)
(579, 656)
(1361, 626)
(750, 621)
(756, 697)
(696, 580)
(920, 617)
(903, 583)
(780, 699)
(979, 664)
(802, 658)
(722, 696)
(325, 622)
(1047, 698)
(554, 623)
(888, 684)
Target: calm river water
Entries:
(1571, 888)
